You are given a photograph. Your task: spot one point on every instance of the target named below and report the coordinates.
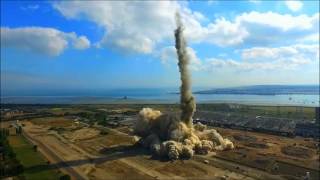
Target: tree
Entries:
(65, 177)
(35, 147)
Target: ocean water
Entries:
(166, 97)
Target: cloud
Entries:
(311, 38)
(255, 1)
(256, 58)
(284, 22)
(80, 42)
(168, 54)
(264, 58)
(144, 25)
(30, 7)
(47, 41)
(212, 2)
(257, 28)
(296, 53)
(129, 26)
(128, 42)
(294, 5)
(213, 64)
(221, 32)
(252, 29)
(230, 64)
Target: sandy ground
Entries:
(61, 148)
(113, 156)
(299, 151)
(275, 154)
(81, 134)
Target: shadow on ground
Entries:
(107, 154)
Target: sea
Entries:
(162, 96)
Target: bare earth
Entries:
(85, 153)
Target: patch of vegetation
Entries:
(290, 112)
(100, 117)
(9, 165)
(244, 138)
(257, 145)
(297, 151)
(85, 115)
(65, 177)
(104, 132)
(58, 129)
(35, 166)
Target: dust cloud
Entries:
(187, 102)
(172, 136)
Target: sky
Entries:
(99, 45)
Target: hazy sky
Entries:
(108, 44)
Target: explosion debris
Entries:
(168, 135)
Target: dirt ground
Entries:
(53, 122)
(81, 134)
(274, 154)
(113, 155)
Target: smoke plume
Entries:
(174, 137)
(187, 102)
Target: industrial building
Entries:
(309, 129)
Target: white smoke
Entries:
(167, 135)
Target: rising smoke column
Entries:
(167, 135)
(187, 102)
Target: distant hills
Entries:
(265, 90)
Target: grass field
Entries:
(291, 112)
(53, 121)
(285, 111)
(35, 166)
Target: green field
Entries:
(286, 111)
(290, 112)
(35, 166)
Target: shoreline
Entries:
(260, 100)
(158, 102)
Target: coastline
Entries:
(276, 100)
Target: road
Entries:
(237, 167)
(219, 163)
(47, 152)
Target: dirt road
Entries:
(55, 159)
